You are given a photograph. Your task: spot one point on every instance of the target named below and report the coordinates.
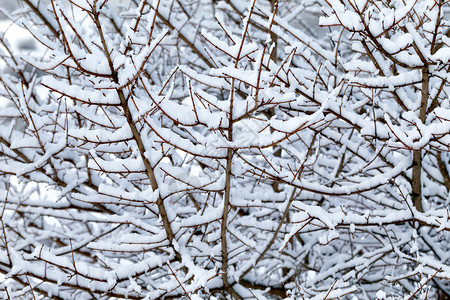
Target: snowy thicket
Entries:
(184, 149)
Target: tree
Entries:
(227, 148)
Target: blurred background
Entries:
(8, 5)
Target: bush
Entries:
(226, 148)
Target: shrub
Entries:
(226, 148)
